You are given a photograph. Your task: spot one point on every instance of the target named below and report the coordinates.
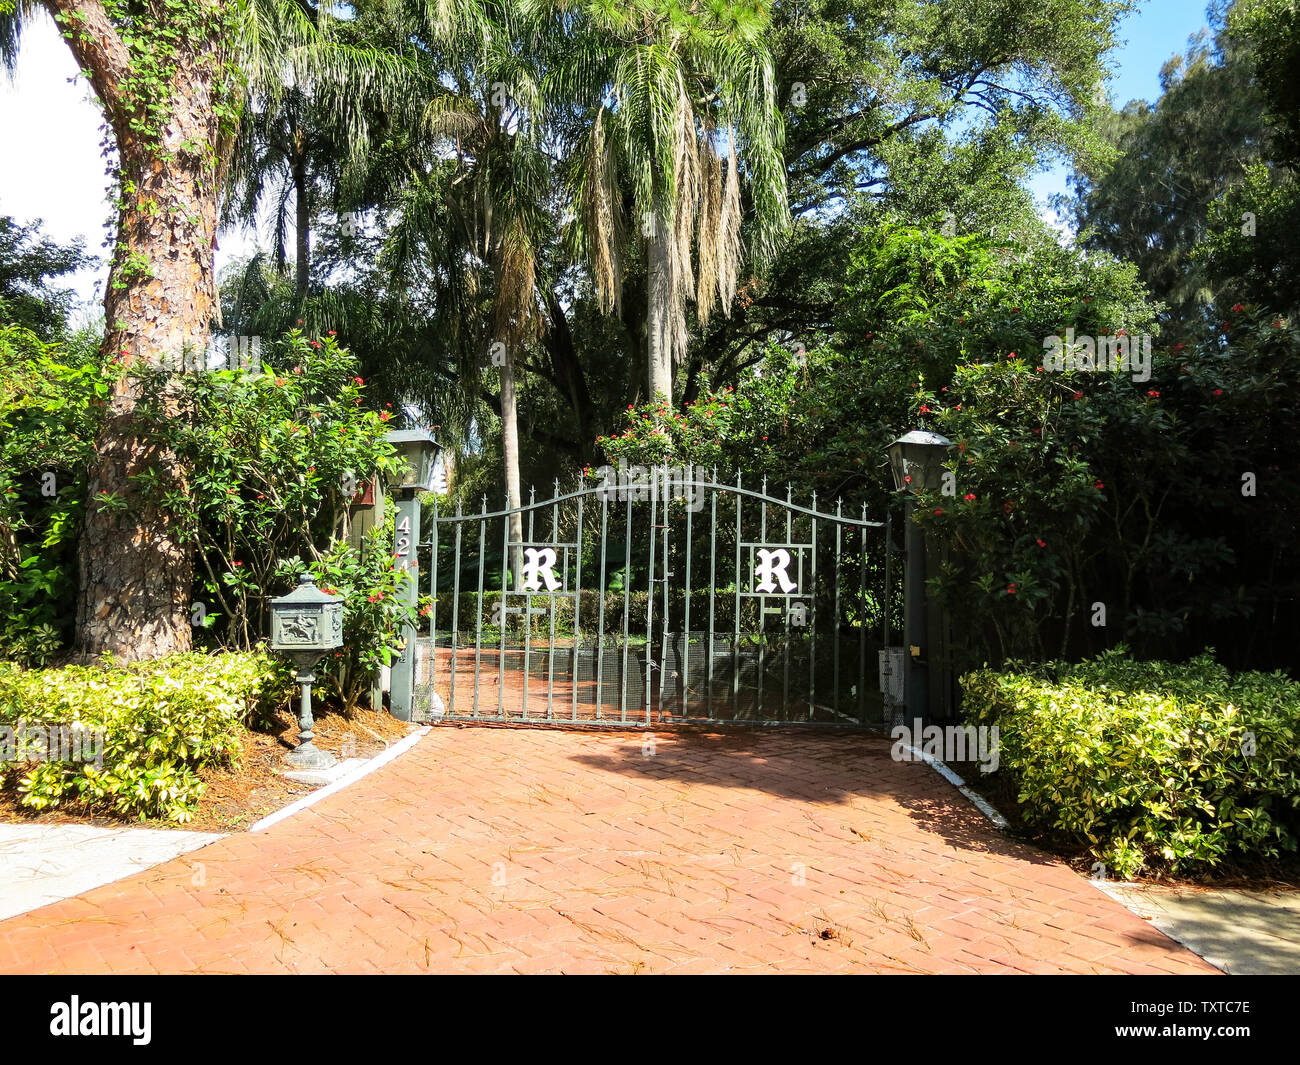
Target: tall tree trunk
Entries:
(659, 344)
(510, 453)
(568, 371)
(135, 575)
(302, 221)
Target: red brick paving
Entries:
(532, 850)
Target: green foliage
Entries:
(1271, 30)
(270, 460)
(28, 265)
(376, 608)
(1250, 251)
(162, 722)
(1149, 765)
(1168, 502)
(50, 396)
(1147, 203)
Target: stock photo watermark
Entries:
(950, 743)
(1116, 352)
(641, 483)
(24, 742)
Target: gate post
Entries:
(916, 462)
(406, 556)
(916, 693)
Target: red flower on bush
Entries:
(938, 510)
(1154, 393)
(1099, 486)
(384, 416)
(1078, 395)
(1217, 392)
(1238, 307)
(1041, 543)
(925, 408)
(968, 496)
(1011, 589)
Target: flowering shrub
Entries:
(375, 609)
(1085, 508)
(271, 459)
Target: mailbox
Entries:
(306, 619)
(304, 625)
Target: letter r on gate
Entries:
(771, 568)
(539, 569)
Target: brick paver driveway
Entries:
(499, 850)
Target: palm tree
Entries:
(470, 203)
(676, 94)
(173, 84)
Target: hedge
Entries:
(133, 737)
(1149, 764)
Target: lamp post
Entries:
(419, 450)
(304, 625)
(916, 462)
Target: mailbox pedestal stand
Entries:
(304, 625)
(307, 755)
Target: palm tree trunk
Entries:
(302, 224)
(510, 452)
(659, 346)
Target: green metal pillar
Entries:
(406, 556)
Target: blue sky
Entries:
(1156, 31)
(49, 128)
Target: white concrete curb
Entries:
(369, 766)
(980, 803)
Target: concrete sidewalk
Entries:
(1240, 932)
(41, 864)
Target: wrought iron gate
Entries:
(657, 596)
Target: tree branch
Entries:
(97, 46)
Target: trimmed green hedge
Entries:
(161, 721)
(1149, 764)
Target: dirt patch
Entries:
(237, 798)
